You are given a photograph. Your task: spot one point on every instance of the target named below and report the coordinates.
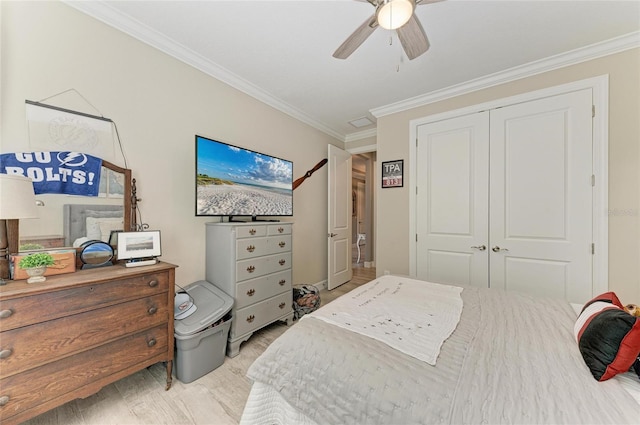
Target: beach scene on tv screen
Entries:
(235, 181)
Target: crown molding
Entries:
(372, 132)
(112, 17)
(594, 51)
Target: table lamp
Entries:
(17, 200)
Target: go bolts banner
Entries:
(71, 173)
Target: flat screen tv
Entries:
(237, 182)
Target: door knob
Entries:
(480, 247)
(332, 235)
(498, 249)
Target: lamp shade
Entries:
(393, 14)
(17, 198)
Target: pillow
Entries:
(608, 337)
(106, 227)
(93, 231)
(609, 297)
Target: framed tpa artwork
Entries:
(392, 173)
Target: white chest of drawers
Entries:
(251, 262)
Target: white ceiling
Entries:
(281, 51)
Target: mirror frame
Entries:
(129, 204)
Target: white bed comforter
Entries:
(512, 359)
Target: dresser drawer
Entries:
(31, 346)
(32, 309)
(257, 315)
(40, 385)
(279, 229)
(255, 267)
(250, 231)
(255, 290)
(251, 248)
(257, 247)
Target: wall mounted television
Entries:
(236, 182)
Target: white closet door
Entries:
(452, 200)
(541, 197)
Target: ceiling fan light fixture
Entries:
(393, 14)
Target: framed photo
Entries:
(392, 172)
(133, 245)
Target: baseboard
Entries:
(322, 285)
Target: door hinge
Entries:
(416, 237)
(593, 180)
(593, 248)
(593, 111)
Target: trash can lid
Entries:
(212, 304)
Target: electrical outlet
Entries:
(362, 236)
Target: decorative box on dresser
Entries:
(71, 335)
(251, 262)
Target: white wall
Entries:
(624, 165)
(158, 104)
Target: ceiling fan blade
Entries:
(356, 38)
(413, 38)
(420, 2)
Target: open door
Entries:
(339, 221)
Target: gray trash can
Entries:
(201, 338)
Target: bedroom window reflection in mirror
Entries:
(111, 184)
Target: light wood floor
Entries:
(217, 398)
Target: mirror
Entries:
(95, 254)
(50, 229)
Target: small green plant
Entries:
(37, 259)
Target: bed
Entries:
(90, 221)
(511, 358)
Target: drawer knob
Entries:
(251, 269)
(152, 310)
(250, 292)
(5, 353)
(282, 305)
(280, 230)
(281, 262)
(282, 282)
(4, 400)
(251, 248)
(151, 342)
(282, 244)
(252, 231)
(5, 313)
(153, 283)
(251, 318)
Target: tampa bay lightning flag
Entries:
(71, 173)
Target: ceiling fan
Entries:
(393, 15)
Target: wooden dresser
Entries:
(68, 337)
(251, 262)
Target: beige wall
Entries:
(624, 165)
(158, 104)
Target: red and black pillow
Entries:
(608, 337)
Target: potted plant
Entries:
(35, 265)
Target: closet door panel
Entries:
(541, 196)
(452, 200)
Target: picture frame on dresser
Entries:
(135, 245)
